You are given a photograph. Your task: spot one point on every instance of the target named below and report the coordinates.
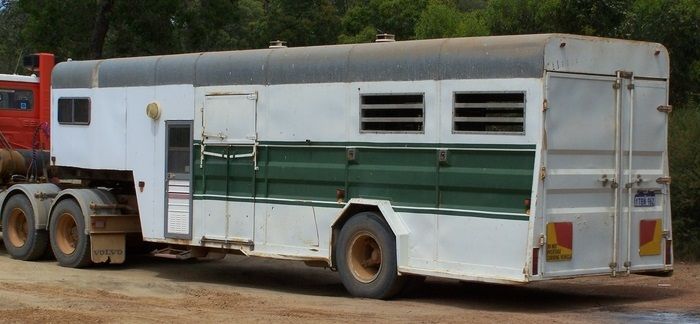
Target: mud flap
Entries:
(108, 248)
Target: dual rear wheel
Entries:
(66, 235)
(22, 239)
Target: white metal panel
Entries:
(224, 220)
(317, 112)
(146, 148)
(229, 118)
(649, 140)
(533, 107)
(106, 147)
(285, 111)
(583, 161)
(140, 157)
(293, 231)
(604, 56)
(279, 219)
(580, 144)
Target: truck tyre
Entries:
(70, 244)
(22, 240)
(366, 250)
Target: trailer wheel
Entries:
(22, 240)
(367, 257)
(69, 243)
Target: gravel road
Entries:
(240, 289)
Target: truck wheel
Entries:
(70, 244)
(22, 240)
(366, 252)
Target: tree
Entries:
(398, 17)
(444, 19)
(675, 24)
(12, 46)
(302, 22)
(60, 27)
(594, 17)
(523, 17)
(99, 32)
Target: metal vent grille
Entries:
(501, 113)
(396, 113)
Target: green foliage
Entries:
(523, 17)
(443, 19)
(675, 24)
(144, 34)
(398, 17)
(684, 160)
(593, 17)
(438, 20)
(61, 27)
(302, 22)
(13, 45)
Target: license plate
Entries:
(645, 199)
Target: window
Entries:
(401, 113)
(16, 99)
(74, 111)
(500, 113)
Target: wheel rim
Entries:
(66, 233)
(18, 230)
(364, 257)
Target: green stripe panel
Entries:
(498, 179)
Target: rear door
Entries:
(604, 214)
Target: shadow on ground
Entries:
(296, 278)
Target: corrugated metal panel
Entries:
(134, 72)
(239, 67)
(176, 69)
(75, 74)
(521, 56)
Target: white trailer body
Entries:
(499, 159)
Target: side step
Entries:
(171, 253)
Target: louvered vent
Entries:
(501, 113)
(400, 113)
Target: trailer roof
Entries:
(520, 56)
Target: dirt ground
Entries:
(239, 289)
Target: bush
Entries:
(684, 160)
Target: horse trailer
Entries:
(505, 159)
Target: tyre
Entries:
(366, 251)
(22, 240)
(70, 244)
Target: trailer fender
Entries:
(108, 240)
(40, 195)
(86, 197)
(384, 209)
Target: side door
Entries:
(178, 179)
(227, 155)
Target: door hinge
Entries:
(665, 108)
(626, 74)
(663, 180)
(616, 85)
(545, 105)
(543, 173)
